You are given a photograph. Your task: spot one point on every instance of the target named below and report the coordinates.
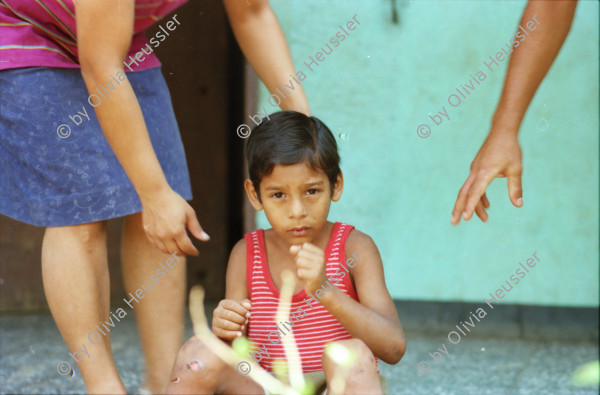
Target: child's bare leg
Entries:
(198, 370)
(160, 314)
(362, 377)
(76, 284)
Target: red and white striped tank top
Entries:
(312, 325)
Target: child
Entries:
(294, 175)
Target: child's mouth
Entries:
(299, 231)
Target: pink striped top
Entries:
(43, 32)
(312, 325)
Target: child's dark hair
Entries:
(287, 138)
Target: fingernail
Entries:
(239, 334)
(520, 202)
(205, 235)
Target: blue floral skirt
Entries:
(56, 167)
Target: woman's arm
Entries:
(529, 64)
(259, 35)
(500, 154)
(104, 32)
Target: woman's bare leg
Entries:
(160, 314)
(77, 287)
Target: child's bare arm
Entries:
(230, 317)
(374, 320)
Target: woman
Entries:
(125, 158)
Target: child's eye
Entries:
(277, 195)
(312, 191)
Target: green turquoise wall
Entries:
(385, 79)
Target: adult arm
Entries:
(261, 39)
(500, 154)
(104, 32)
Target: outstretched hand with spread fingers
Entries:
(499, 156)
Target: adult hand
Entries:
(165, 217)
(499, 156)
(103, 40)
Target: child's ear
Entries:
(338, 188)
(252, 195)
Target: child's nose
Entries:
(297, 209)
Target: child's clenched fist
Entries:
(310, 265)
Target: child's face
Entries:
(296, 199)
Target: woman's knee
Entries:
(84, 234)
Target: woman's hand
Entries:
(103, 39)
(165, 216)
(499, 156)
(230, 319)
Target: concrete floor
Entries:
(31, 348)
